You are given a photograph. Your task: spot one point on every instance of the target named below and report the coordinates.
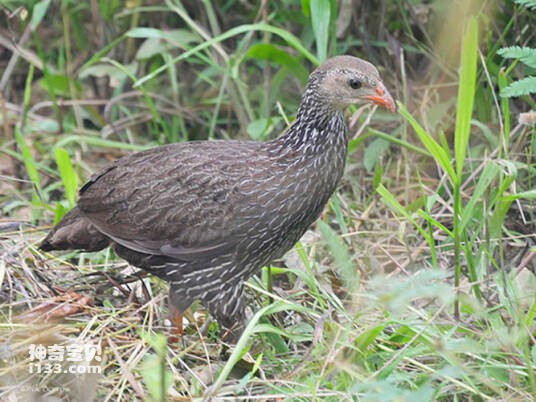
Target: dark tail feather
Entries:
(74, 231)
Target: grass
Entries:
(417, 283)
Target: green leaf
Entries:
(530, 4)
(260, 128)
(523, 87)
(341, 254)
(526, 55)
(155, 382)
(266, 51)
(38, 13)
(498, 374)
(466, 93)
(368, 336)
(373, 152)
(320, 18)
(68, 175)
(159, 41)
(58, 84)
(153, 367)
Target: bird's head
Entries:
(346, 80)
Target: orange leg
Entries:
(176, 330)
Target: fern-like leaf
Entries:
(526, 55)
(526, 86)
(530, 4)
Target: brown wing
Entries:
(180, 200)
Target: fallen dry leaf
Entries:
(57, 308)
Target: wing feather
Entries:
(181, 200)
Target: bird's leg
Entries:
(176, 330)
(229, 311)
(178, 303)
(231, 328)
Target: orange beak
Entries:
(383, 98)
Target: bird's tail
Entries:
(74, 231)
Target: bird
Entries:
(206, 215)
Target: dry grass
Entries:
(364, 307)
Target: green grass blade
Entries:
(100, 142)
(490, 173)
(390, 138)
(436, 150)
(464, 112)
(434, 222)
(252, 327)
(393, 203)
(335, 204)
(25, 151)
(31, 169)
(27, 158)
(466, 93)
(320, 17)
(68, 175)
(502, 80)
(527, 195)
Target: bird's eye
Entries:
(354, 83)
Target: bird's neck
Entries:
(317, 142)
(318, 128)
(313, 151)
(319, 125)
